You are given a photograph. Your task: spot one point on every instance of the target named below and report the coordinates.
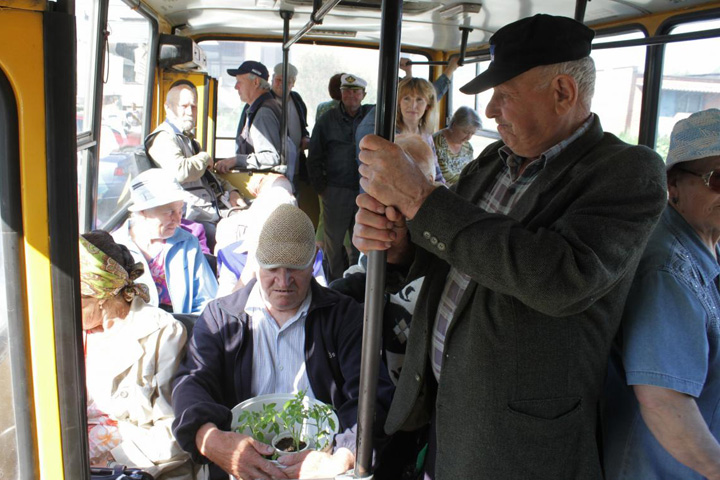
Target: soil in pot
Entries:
(287, 445)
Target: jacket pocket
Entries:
(547, 437)
(546, 408)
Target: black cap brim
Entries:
(233, 71)
(492, 77)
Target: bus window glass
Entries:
(8, 442)
(618, 85)
(488, 134)
(690, 80)
(123, 106)
(86, 21)
(311, 82)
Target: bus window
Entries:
(478, 102)
(124, 94)
(618, 85)
(315, 64)
(86, 21)
(690, 80)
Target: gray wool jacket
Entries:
(526, 353)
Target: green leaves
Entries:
(295, 416)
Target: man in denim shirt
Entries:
(661, 416)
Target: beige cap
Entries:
(287, 239)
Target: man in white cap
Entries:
(175, 269)
(280, 334)
(258, 136)
(333, 171)
(172, 146)
(663, 387)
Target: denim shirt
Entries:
(669, 338)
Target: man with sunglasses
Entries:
(663, 387)
(527, 260)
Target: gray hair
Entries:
(264, 84)
(292, 71)
(583, 71)
(465, 117)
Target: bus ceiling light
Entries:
(452, 11)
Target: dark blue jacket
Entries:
(216, 372)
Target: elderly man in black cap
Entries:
(280, 334)
(258, 136)
(527, 260)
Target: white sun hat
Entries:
(152, 188)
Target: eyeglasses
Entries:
(711, 179)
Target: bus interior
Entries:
(109, 63)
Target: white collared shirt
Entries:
(278, 353)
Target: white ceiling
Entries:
(429, 29)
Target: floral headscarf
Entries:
(103, 277)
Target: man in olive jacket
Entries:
(527, 263)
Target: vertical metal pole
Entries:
(463, 45)
(580, 6)
(375, 281)
(286, 15)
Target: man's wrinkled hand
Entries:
(237, 454)
(378, 227)
(391, 176)
(314, 464)
(224, 165)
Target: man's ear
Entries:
(565, 91)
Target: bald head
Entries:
(419, 151)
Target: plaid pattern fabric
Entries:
(509, 187)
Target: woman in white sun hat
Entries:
(664, 375)
(173, 261)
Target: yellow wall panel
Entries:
(21, 58)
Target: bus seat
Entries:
(187, 319)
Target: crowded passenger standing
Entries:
(173, 261)
(335, 95)
(663, 389)
(333, 171)
(452, 144)
(132, 351)
(527, 264)
(257, 144)
(172, 146)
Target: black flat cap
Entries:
(528, 43)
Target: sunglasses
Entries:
(711, 179)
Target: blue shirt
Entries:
(668, 338)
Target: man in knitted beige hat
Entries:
(280, 334)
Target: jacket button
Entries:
(433, 241)
(426, 235)
(441, 246)
(417, 377)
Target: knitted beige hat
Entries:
(286, 240)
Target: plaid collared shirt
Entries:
(510, 185)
